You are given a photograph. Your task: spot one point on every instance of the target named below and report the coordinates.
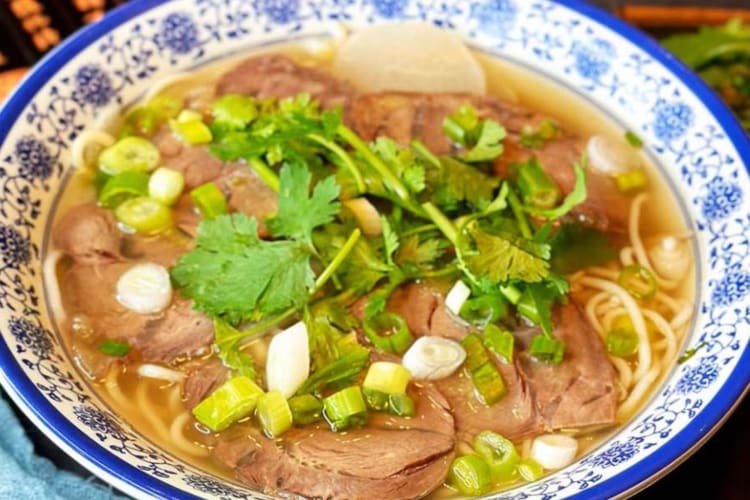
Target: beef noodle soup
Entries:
(320, 278)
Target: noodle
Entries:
(624, 372)
(112, 385)
(662, 325)
(51, 284)
(179, 440)
(638, 392)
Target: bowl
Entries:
(689, 134)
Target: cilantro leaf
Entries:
(232, 274)
(489, 145)
(421, 254)
(501, 260)
(458, 182)
(538, 299)
(299, 213)
(390, 240)
(573, 199)
(402, 161)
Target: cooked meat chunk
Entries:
(186, 216)
(164, 249)
(425, 312)
(202, 381)
(248, 194)
(88, 234)
(274, 75)
(405, 460)
(195, 163)
(580, 391)
(180, 332)
(405, 116)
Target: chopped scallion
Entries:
(637, 281)
(622, 342)
(499, 453)
(189, 128)
(530, 470)
(233, 400)
(388, 332)
(470, 475)
(123, 186)
(547, 349)
(274, 414)
(129, 154)
(489, 384)
(306, 409)
(632, 181)
(500, 342)
(345, 409)
(536, 187)
(391, 378)
(144, 214)
(633, 139)
(210, 200)
(234, 111)
(485, 309)
(114, 348)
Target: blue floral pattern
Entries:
(691, 145)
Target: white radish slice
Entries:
(145, 288)
(611, 157)
(554, 451)
(433, 358)
(367, 216)
(456, 297)
(288, 361)
(408, 56)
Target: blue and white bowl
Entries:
(689, 133)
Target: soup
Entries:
(342, 292)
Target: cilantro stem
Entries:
(264, 172)
(419, 229)
(361, 147)
(517, 209)
(337, 260)
(346, 160)
(422, 150)
(442, 222)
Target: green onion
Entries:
(274, 414)
(689, 353)
(189, 128)
(234, 111)
(306, 409)
(499, 453)
(388, 332)
(376, 400)
(489, 385)
(144, 214)
(210, 200)
(234, 400)
(520, 215)
(122, 186)
(637, 281)
(537, 189)
(484, 309)
(114, 348)
(546, 349)
(622, 341)
(500, 342)
(512, 293)
(129, 154)
(145, 120)
(165, 185)
(632, 181)
(395, 404)
(530, 470)
(633, 139)
(384, 376)
(345, 409)
(470, 475)
(460, 125)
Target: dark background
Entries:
(719, 470)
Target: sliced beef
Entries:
(163, 249)
(425, 313)
(514, 416)
(89, 290)
(394, 459)
(248, 194)
(202, 381)
(88, 234)
(580, 391)
(274, 75)
(405, 116)
(195, 163)
(179, 333)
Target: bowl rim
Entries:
(132, 481)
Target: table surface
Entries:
(718, 470)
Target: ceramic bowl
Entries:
(698, 147)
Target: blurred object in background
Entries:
(682, 14)
(721, 56)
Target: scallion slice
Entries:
(388, 332)
(632, 181)
(499, 453)
(114, 348)
(274, 413)
(470, 475)
(500, 342)
(234, 111)
(144, 214)
(489, 384)
(547, 349)
(484, 309)
(476, 355)
(622, 342)
(395, 404)
(637, 281)
(232, 401)
(189, 128)
(210, 200)
(537, 189)
(165, 185)
(129, 154)
(345, 409)
(530, 470)
(122, 186)
(384, 376)
(306, 409)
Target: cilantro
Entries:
(481, 138)
(341, 371)
(489, 145)
(227, 340)
(575, 247)
(299, 213)
(459, 183)
(573, 199)
(232, 274)
(421, 254)
(402, 162)
(501, 260)
(538, 299)
(390, 240)
(535, 138)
